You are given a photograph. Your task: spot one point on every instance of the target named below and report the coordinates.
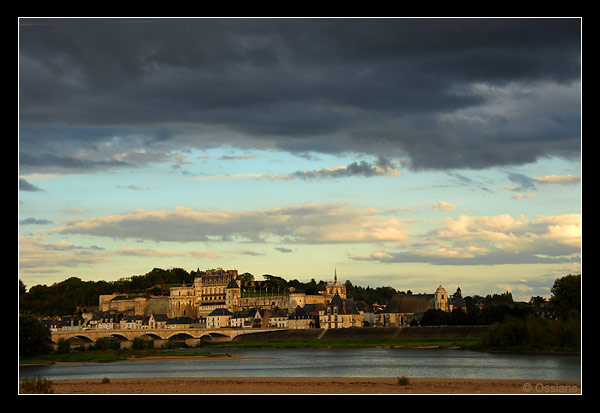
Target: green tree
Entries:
(246, 277)
(138, 343)
(63, 346)
(566, 295)
(537, 301)
(34, 337)
(435, 318)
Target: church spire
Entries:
(335, 276)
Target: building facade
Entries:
(340, 313)
(215, 289)
(211, 289)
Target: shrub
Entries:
(138, 344)
(34, 337)
(37, 385)
(403, 381)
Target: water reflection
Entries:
(366, 362)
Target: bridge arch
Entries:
(77, 339)
(179, 336)
(206, 337)
(219, 335)
(150, 336)
(214, 336)
(114, 336)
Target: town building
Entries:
(219, 318)
(340, 313)
(157, 320)
(304, 317)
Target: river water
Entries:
(362, 362)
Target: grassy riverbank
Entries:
(455, 337)
(107, 356)
(442, 337)
(462, 343)
(451, 337)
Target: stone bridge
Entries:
(126, 336)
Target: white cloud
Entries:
(310, 223)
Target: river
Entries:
(361, 362)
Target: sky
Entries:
(397, 152)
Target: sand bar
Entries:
(313, 385)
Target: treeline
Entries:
(66, 297)
(516, 325)
(494, 313)
(535, 332)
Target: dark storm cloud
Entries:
(524, 181)
(26, 186)
(284, 250)
(61, 163)
(444, 93)
(34, 221)
(363, 168)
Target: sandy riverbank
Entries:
(312, 385)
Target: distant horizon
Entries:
(405, 152)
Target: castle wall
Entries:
(159, 305)
(315, 299)
(268, 302)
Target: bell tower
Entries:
(441, 299)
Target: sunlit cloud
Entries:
(38, 255)
(443, 206)
(558, 179)
(501, 239)
(310, 223)
(525, 196)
